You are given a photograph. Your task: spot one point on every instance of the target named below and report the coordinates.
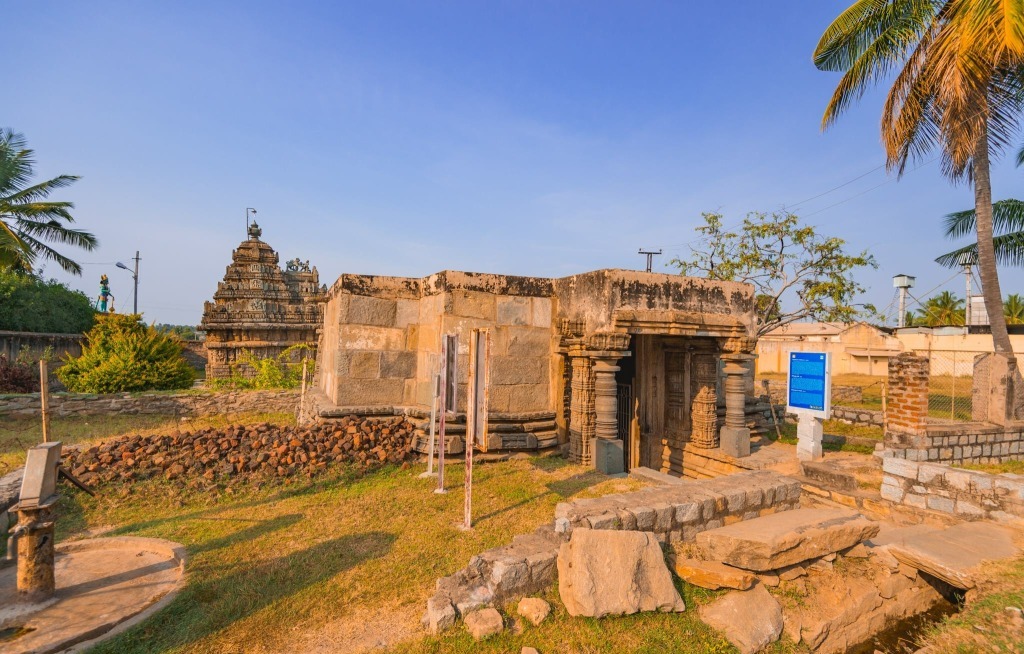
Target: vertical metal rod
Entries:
(471, 419)
(444, 411)
(433, 420)
(952, 399)
(302, 396)
(135, 296)
(44, 398)
(967, 309)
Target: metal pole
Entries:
(44, 398)
(903, 307)
(433, 418)
(967, 308)
(444, 411)
(302, 396)
(135, 308)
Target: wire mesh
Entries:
(949, 384)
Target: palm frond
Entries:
(39, 191)
(1007, 216)
(1009, 249)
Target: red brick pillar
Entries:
(907, 410)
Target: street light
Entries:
(135, 276)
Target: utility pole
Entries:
(650, 256)
(903, 282)
(135, 276)
(967, 260)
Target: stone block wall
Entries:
(968, 494)
(678, 512)
(176, 404)
(907, 410)
(964, 443)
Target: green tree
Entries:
(797, 273)
(1007, 226)
(957, 87)
(33, 305)
(122, 354)
(27, 218)
(1013, 309)
(942, 309)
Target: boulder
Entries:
(712, 574)
(604, 572)
(440, 615)
(750, 619)
(484, 623)
(782, 539)
(534, 609)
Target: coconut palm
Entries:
(27, 218)
(1007, 225)
(957, 87)
(942, 309)
(1013, 309)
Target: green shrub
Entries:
(282, 371)
(33, 305)
(122, 354)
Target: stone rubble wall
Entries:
(674, 513)
(190, 403)
(968, 494)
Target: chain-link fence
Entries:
(949, 384)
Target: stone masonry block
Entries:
(371, 311)
(367, 337)
(943, 504)
(900, 467)
(892, 493)
(364, 365)
(687, 513)
(398, 365)
(368, 392)
(518, 370)
(541, 312)
(526, 398)
(473, 304)
(513, 310)
(927, 472)
(524, 342)
(407, 312)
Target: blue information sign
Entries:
(808, 382)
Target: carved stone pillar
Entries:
(581, 411)
(608, 448)
(735, 436)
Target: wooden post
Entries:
(44, 399)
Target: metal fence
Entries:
(949, 384)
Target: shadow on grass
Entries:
(260, 528)
(564, 489)
(210, 603)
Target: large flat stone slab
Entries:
(603, 572)
(776, 541)
(751, 619)
(955, 554)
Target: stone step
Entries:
(954, 554)
(712, 574)
(829, 476)
(782, 539)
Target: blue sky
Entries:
(403, 138)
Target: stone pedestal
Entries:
(997, 394)
(35, 546)
(609, 456)
(809, 434)
(735, 436)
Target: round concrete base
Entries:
(104, 585)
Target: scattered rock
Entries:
(769, 579)
(603, 572)
(751, 619)
(484, 623)
(440, 615)
(781, 539)
(529, 650)
(858, 551)
(712, 574)
(534, 609)
(243, 452)
(789, 573)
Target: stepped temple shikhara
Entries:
(259, 307)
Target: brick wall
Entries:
(969, 494)
(907, 410)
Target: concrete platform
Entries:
(104, 585)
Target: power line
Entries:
(835, 188)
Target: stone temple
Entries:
(619, 368)
(259, 307)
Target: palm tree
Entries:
(1013, 309)
(957, 87)
(1007, 224)
(27, 218)
(942, 309)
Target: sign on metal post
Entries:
(449, 384)
(476, 409)
(809, 395)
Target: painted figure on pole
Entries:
(105, 296)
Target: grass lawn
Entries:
(1012, 467)
(17, 434)
(346, 559)
(836, 428)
